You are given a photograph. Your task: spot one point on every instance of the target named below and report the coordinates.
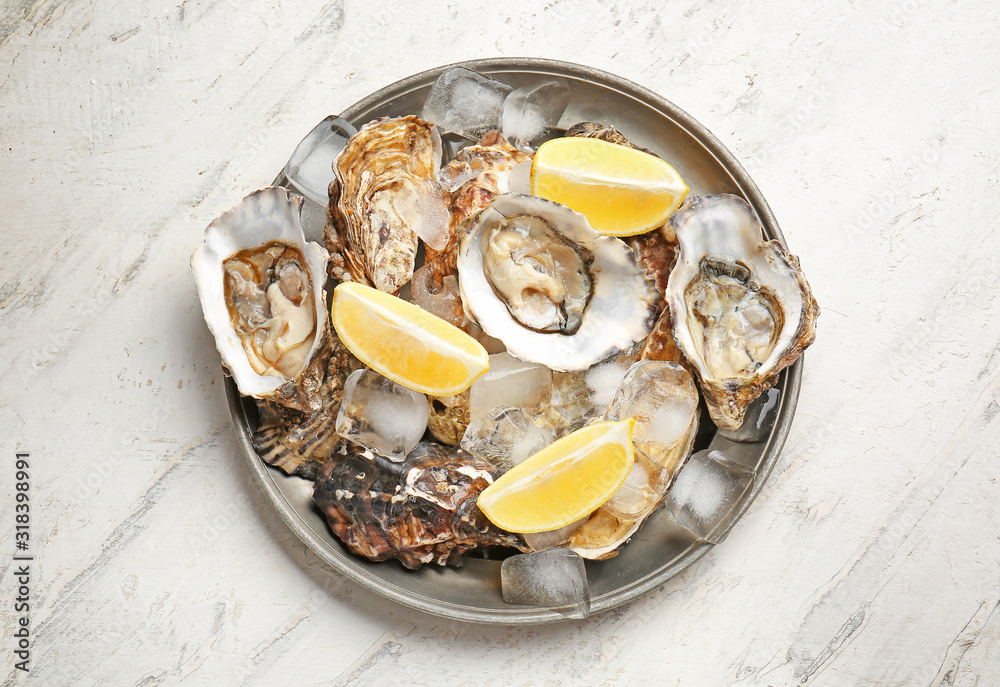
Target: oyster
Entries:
(660, 344)
(535, 275)
(655, 254)
(604, 132)
(261, 290)
(742, 309)
(385, 194)
(422, 510)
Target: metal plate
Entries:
(661, 548)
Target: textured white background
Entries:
(870, 557)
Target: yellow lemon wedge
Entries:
(404, 342)
(564, 481)
(622, 191)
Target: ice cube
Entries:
(451, 144)
(637, 496)
(379, 414)
(758, 420)
(529, 111)
(466, 102)
(554, 579)
(506, 436)
(310, 168)
(542, 541)
(604, 378)
(579, 397)
(430, 210)
(510, 382)
(442, 299)
(706, 492)
(571, 401)
(662, 398)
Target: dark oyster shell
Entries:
(422, 510)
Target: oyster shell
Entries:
(476, 176)
(422, 510)
(535, 275)
(261, 290)
(660, 344)
(655, 254)
(603, 132)
(449, 417)
(299, 442)
(384, 196)
(742, 309)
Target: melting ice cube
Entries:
(706, 492)
(310, 168)
(379, 414)
(554, 579)
(530, 111)
(663, 399)
(542, 541)
(506, 436)
(466, 102)
(636, 497)
(443, 300)
(510, 382)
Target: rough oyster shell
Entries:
(603, 132)
(449, 417)
(477, 175)
(742, 309)
(604, 325)
(422, 510)
(299, 442)
(384, 196)
(259, 304)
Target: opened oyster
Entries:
(261, 290)
(535, 275)
(742, 309)
(384, 197)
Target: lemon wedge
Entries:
(405, 343)
(564, 481)
(622, 191)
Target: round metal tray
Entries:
(661, 548)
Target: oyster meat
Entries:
(422, 510)
(261, 290)
(535, 275)
(742, 310)
(384, 196)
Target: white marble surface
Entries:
(870, 557)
